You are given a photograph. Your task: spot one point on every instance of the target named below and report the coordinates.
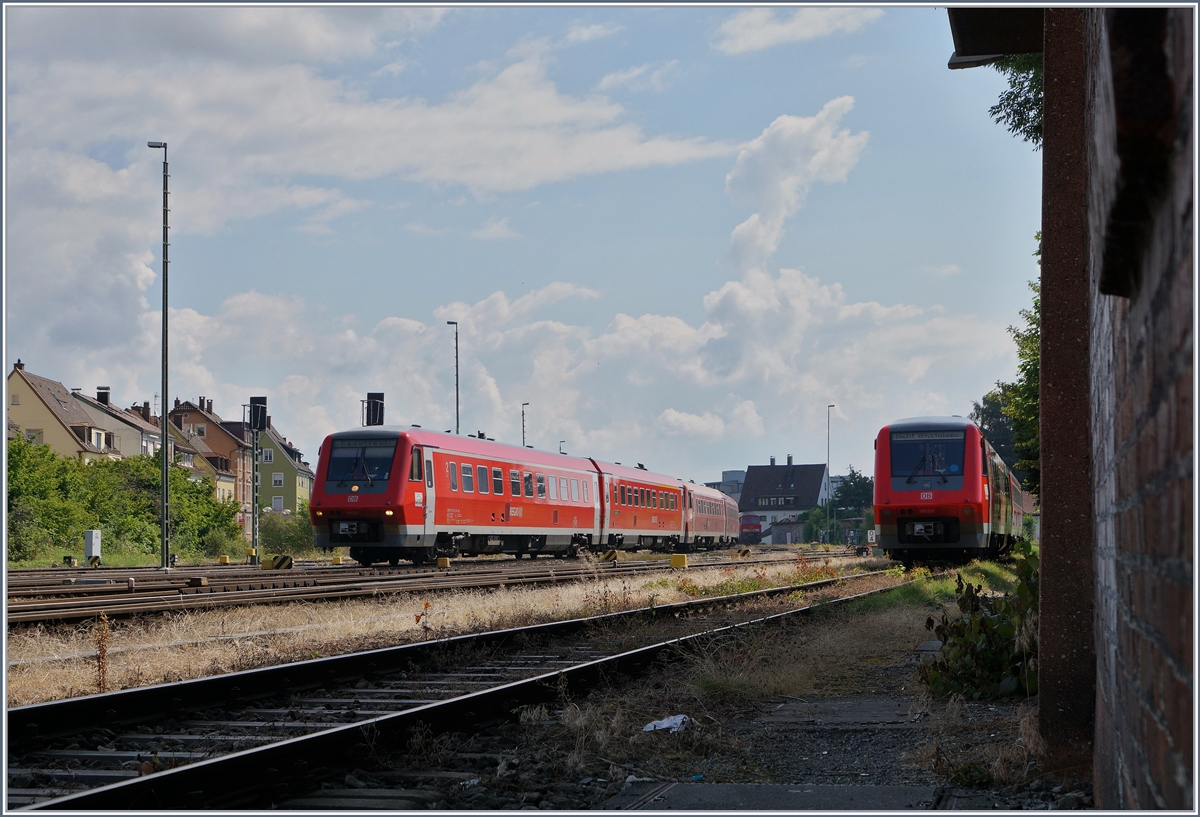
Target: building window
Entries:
(201, 430)
(276, 480)
(277, 503)
(34, 435)
(268, 454)
(16, 399)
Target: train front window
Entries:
(930, 453)
(361, 465)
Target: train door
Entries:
(599, 492)
(689, 517)
(430, 501)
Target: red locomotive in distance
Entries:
(941, 490)
(390, 494)
(750, 529)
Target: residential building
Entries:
(285, 479)
(46, 413)
(731, 484)
(198, 421)
(131, 432)
(776, 492)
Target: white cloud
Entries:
(580, 33)
(422, 229)
(942, 270)
(245, 35)
(641, 78)
(495, 228)
(757, 29)
(776, 170)
(392, 69)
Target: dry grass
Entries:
(49, 663)
(981, 744)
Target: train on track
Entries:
(391, 493)
(942, 491)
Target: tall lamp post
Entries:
(828, 476)
(523, 405)
(455, 325)
(162, 417)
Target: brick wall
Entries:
(1140, 202)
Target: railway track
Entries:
(66, 598)
(258, 738)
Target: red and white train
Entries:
(390, 493)
(941, 490)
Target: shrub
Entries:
(990, 649)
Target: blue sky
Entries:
(678, 233)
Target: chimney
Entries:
(789, 459)
(209, 408)
(200, 405)
(19, 365)
(269, 421)
(176, 402)
(772, 460)
(102, 394)
(146, 410)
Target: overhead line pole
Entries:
(162, 418)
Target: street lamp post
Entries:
(162, 418)
(455, 325)
(523, 405)
(828, 477)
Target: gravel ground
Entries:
(862, 720)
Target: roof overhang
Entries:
(984, 35)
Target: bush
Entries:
(286, 533)
(990, 649)
(53, 499)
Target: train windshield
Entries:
(360, 465)
(929, 453)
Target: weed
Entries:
(990, 649)
(102, 637)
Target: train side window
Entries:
(564, 490)
(654, 500)
(514, 479)
(497, 482)
(553, 486)
(585, 495)
(453, 468)
(468, 478)
(429, 473)
(528, 484)
(414, 472)
(541, 486)
(483, 486)
(622, 495)
(574, 490)
(690, 504)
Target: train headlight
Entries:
(966, 511)
(320, 513)
(389, 513)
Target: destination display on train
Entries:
(370, 443)
(929, 435)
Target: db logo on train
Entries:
(926, 494)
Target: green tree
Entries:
(1020, 107)
(997, 426)
(856, 492)
(1021, 398)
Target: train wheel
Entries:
(394, 561)
(558, 554)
